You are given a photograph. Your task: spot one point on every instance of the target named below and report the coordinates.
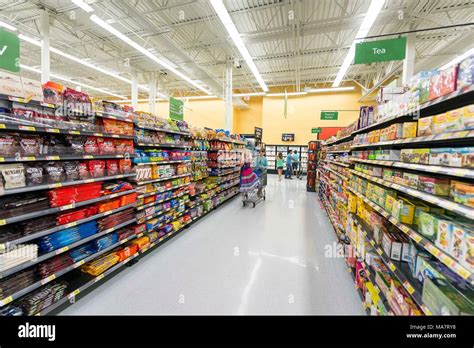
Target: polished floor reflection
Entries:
(277, 258)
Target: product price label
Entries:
(98, 134)
(379, 251)
(7, 300)
(62, 250)
(409, 288)
(52, 130)
(55, 185)
(78, 264)
(66, 207)
(463, 272)
(29, 158)
(426, 310)
(99, 277)
(2, 126)
(27, 128)
(392, 267)
(74, 293)
(47, 280)
(74, 132)
(3, 222)
(416, 237)
(53, 158)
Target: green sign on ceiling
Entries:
(316, 130)
(176, 109)
(9, 51)
(329, 115)
(380, 51)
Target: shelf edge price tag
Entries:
(408, 286)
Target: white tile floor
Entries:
(264, 260)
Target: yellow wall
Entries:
(199, 113)
(268, 112)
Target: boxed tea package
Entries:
(425, 126)
(462, 192)
(466, 72)
(440, 156)
(409, 130)
(434, 186)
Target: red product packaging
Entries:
(83, 171)
(128, 199)
(149, 199)
(443, 83)
(66, 218)
(124, 146)
(91, 147)
(92, 210)
(112, 167)
(126, 252)
(140, 228)
(106, 146)
(109, 205)
(96, 168)
(125, 166)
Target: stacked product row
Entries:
(68, 219)
(399, 191)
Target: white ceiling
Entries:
(298, 52)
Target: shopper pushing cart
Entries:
(253, 181)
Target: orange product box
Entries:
(109, 205)
(149, 199)
(142, 242)
(126, 252)
(128, 199)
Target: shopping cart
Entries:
(255, 192)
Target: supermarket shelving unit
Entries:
(335, 175)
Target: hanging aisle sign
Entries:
(329, 115)
(380, 51)
(258, 133)
(9, 51)
(176, 109)
(316, 130)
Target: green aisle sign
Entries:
(316, 130)
(329, 115)
(380, 51)
(176, 109)
(9, 51)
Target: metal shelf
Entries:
(142, 126)
(27, 101)
(419, 239)
(43, 212)
(59, 251)
(141, 207)
(143, 195)
(108, 114)
(160, 162)
(165, 145)
(451, 171)
(63, 184)
(340, 140)
(139, 183)
(58, 158)
(62, 227)
(460, 209)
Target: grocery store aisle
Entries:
(264, 260)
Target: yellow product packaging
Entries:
(407, 211)
(468, 117)
(409, 130)
(396, 208)
(454, 120)
(352, 203)
(377, 136)
(425, 126)
(419, 207)
(423, 155)
(389, 200)
(155, 171)
(439, 123)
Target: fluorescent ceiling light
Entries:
(138, 100)
(82, 4)
(369, 19)
(198, 97)
(7, 26)
(146, 52)
(458, 59)
(66, 79)
(291, 94)
(333, 89)
(34, 41)
(224, 16)
(249, 94)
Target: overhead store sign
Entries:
(9, 51)
(329, 115)
(176, 109)
(258, 133)
(380, 51)
(316, 130)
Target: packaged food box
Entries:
(459, 235)
(468, 157)
(398, 177)
(439, 123)
(387, 174)
(465, 76)
(409, 130)
(468, 117)
(434, 186)
(391, 246)
(454, 120)
(406, 155)
(444, 299)
(410, 180)
(462, 193)
(425, 126)
(457, 155)
(444, 235)
(407, 211)
(389, 200)
(10, 84)
(467, 259)
(440, 156)
(428, 225)
(422, 155)
(443, 83)
(419, 207)
(417, 255)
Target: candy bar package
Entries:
(112, 167)
(91, 147)
(55, 171)
(71, 170)
(34, 174)
(44, 297)
(13, 175)
(8, 144)
(466, 73)
(77, 145)
(96, 168)
(106, 146)
(53, 93)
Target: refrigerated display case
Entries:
(272, 151)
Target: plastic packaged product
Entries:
(71, 170)
(466, 73)
(106, 146)
(125, 166)
(55, 172)
(90, 146)
(444, 235)
(13, 175)
(83, 171)
(440, 156)
(8, 144)
(112, 167)
(409, 130)
(96, 168)
(457, 156)
(30, 145)
(462, 192)
(425, 126)
(434, 186)
(443, 83)
(34, 175)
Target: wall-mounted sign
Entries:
(329, 115)
(258, 133)
(380, 51)
(288, 137)
(316, 130)
(176, 109)
(9, 51)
